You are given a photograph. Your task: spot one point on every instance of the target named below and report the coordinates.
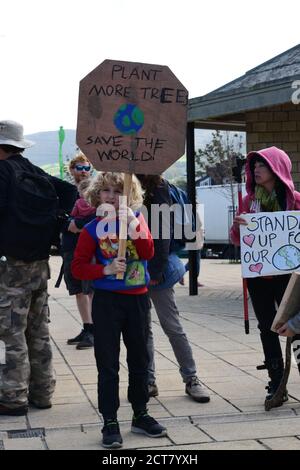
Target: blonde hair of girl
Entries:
(115, 180)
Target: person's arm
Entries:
(80, 223)
(239, 220)
(66, 192)
(289, 329)
(77, 224)
(4, 187)
(82, 267)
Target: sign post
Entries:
(61, 138)
(131, 119)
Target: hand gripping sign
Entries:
(131, 119)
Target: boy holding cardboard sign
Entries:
(120, 306)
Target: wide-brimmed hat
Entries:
(11, 133)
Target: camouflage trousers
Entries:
(26, 370)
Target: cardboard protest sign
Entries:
(132, 117)
(270, 243)
(290, 303)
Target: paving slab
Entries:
(253, 429)
(185, 406)
(33, 443)
(59, 415)
(12, 422)
(282, 443)
(230, 445)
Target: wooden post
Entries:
(191, 191)
(123, 225)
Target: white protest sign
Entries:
(270, 243)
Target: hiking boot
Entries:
(40, 405)
(16, 411)
(194, 388)
(77, 338)
(145, 424)
(87, 341)
(275, 369)
(112, 438)
(152, 390)
(271, 389)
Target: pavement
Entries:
(226, 359)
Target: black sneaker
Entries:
(77, 338)
(272, 388)
(145, 424)
(87, 341)
(112, 438)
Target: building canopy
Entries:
(268, 84)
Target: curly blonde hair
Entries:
(116, 180)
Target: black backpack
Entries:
(31, 218)
(33, 197)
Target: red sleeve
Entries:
(235, 229)
(75, 211)
(82, 267)
(144, 243)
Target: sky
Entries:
(48, 46)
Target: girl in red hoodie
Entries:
(269, 188)
(119, 306)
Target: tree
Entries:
(219, 157)
(222, 159)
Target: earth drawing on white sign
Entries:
(287, 258)
(270, 243)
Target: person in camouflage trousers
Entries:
(24, 318)
(31, 204)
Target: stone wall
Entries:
(279, 126)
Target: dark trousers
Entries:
(115, 314)
(198, 260)
(265, 294)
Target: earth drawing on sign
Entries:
(129, 119)
(287, 258)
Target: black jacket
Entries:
(28, 242)
(157, 264)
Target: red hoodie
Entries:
(281, 166)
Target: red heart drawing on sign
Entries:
(256, 268)
(249, 239)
